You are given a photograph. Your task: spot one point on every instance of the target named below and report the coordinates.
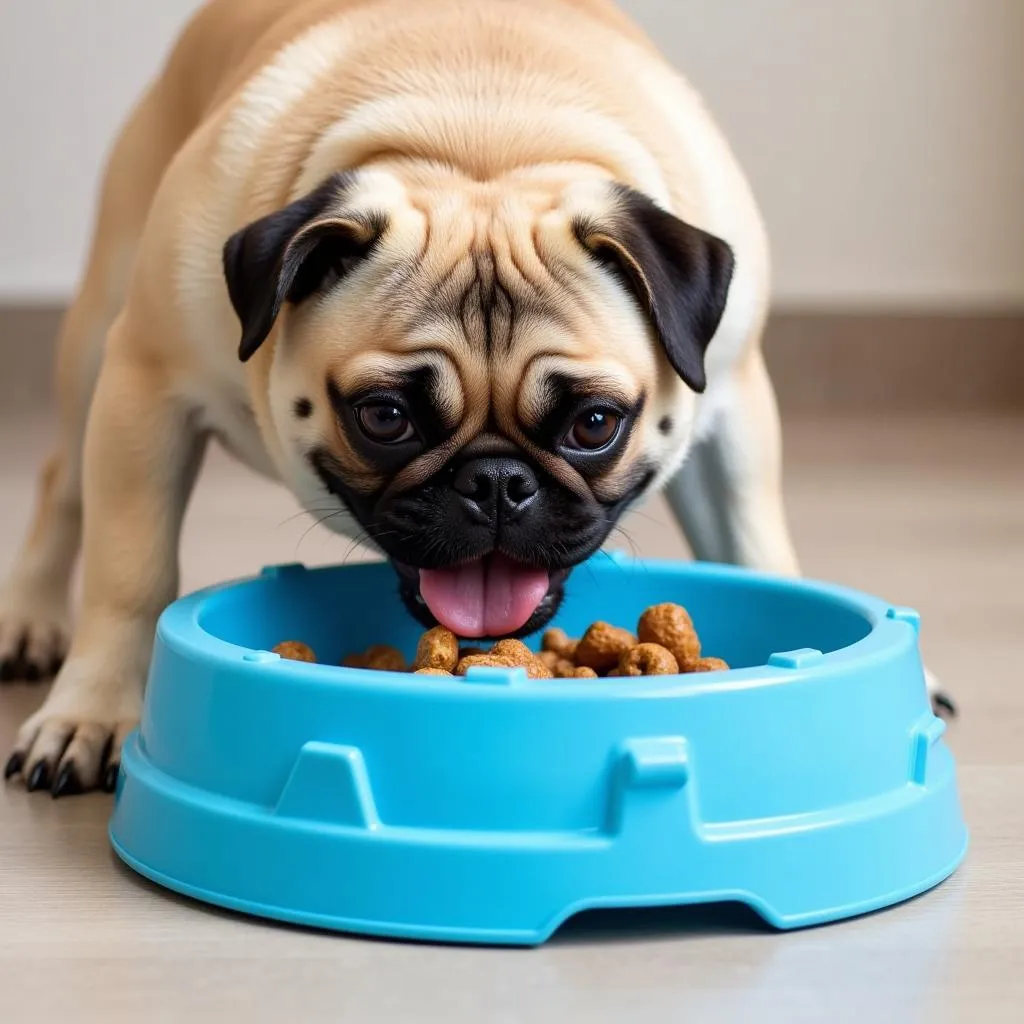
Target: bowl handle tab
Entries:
(646, 763)
(329, 783)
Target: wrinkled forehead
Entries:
(542, 363)
(491, 306)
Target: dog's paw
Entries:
(73, 742)
(34, 635)
(942, 704)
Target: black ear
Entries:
(289, 254)
(677, 273)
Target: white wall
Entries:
(884, 138)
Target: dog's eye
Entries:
(384, 423)
(594, 429)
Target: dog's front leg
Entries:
(143, 449)
(728, 495)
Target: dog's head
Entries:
(483, 375)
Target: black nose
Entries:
(495, 486)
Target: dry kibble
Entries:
(666, 643)
(515, 650)
(551, 659)
(670, 626)
(519, 654)
(602, 645)
(438, 648)
(384, 658)
(710, 665)
(559, 642)
(295, 650)
(481, 661)
(536, 669)
(648, 660)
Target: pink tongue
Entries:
(489, 597)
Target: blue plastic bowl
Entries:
(810, 782)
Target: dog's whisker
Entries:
(636, 511)
(302, 513)
(315, 524)
(634, 549)
(358, 541)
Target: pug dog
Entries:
(478, 275)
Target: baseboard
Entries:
(27, 339)
(892, 363)
(822, 362)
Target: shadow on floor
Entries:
(646, 923)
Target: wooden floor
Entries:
(927, 513)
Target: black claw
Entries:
(39, 777)
(31, 673)
(943, 702)
(14, 764)
(68, 782)
(110, 777)
(7, 670)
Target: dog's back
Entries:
(226, 41)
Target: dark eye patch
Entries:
(566, 399)
(414, 394)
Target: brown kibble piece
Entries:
(385, 659)
(471, 652)
(481, 661)
(550, 658)
(536, 669)
(670, 626)
(710, 665)
(515, 650)
(584, 673)
(431, 672)
(559, 642)
(648, 660)
(519, 654)
(602, 645)
(295, 650)
(564, 669)
(438, 648)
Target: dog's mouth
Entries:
(492, 596)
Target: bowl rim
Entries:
(891, 628)
(180, 628)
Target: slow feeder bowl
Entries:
(810, 782)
